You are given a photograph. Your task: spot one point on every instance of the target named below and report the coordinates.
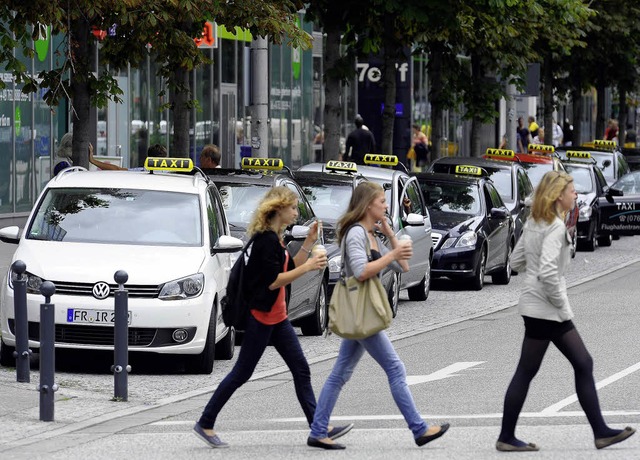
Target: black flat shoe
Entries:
(601, 443)
(422, 440)
(313, 442)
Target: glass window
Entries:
(623, 167)
(304, 211)
(581, 178)
(413, 193)
(328, 201)
(215, 221)
(495, 199)
(535, 171)
(118, 216)
(451, 198)
(240, 202)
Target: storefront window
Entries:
(23, 130)
(6, 143)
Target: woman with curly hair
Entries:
(542, 255)
(269, 270)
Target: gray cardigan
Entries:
(542, 255)
(356, 252)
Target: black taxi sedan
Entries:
(241, 190)
(605, 155)
(620, 206)
(472, 228)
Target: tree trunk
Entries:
(547, 94)
(390, 56)
(600, 117)
(475, 137)
(576, 97)
(81, 101)
(622, 116)
(434, 72)
(180, 108)
(477, 76)
(332, 107)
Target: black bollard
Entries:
(22, 352)
(47, 386)
(121, 366)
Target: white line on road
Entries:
(444, 373)
(603, 383)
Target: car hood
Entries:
(90, 262)
(454, 224)
(586, 198)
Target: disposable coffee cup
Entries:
(319, 250)
(405, 240)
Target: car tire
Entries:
(394, 293)
(477, 282)
(316, 323)
(6, 355)
(604, 240)
(590, 243)
(504, 275)
(226, 347)
(422, 289)
(203, 363)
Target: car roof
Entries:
(534, 158)
(242, 176)
(139, 180)
(453, 178)
(473, 161)
(380, 173)
(327, 177)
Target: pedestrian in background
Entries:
(360, 141)
(365, 214)
(533, 126)
(557, 134)
(64, 152)
(210, 157)
(269, 270)
(542, 255)
(523, 136)
(420, 144)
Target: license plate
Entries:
(80, 316)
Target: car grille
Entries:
(86, 289)
(90, 335)
(435, 238)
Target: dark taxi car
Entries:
(590, 185)
(620, 206)
(632, 157)
(329, 192)
(241, 190)
(472, 228)
(606, 156)
(509, 178)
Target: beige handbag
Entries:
(358, 309)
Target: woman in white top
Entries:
(542, 255)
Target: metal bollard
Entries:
(22, 352)
(47, 386)
(121, 366)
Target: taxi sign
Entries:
(346, 166)
(470, 170)
(576, 154)
(382, 160)
(168, 164)
(602, 143)
(500, 153)
(541, 148)
(274, 164)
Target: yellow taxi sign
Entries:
(470, 170)
(500, 153)
(346, 166)
(274, 164)
(168, 164)
(576, 154)
(605, 144)
(382, 160)
(541, 148)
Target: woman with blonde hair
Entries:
(269, 270)
(542, 255)
(365, 214)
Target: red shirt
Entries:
(278, 311)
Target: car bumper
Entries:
(584, 230)
(151, 327)
(454, 262)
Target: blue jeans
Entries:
(256, 338)
(380, 348)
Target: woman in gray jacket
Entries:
(542, 255)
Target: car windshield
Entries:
(451, 198)
(118, 216)
(581, 178)
(602, 158)
(329, 201)
(535, 171)
(501, 178)
(240, 201)
(629, 183)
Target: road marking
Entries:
(603, 383)
(444, 373)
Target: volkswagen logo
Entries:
(101, 290)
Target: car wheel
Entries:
(316, 323)
(394, 293)
(590, 243)
(477, 282)
(504, 275)
(203, 363)
(227, 346)
(6, 355)
(604, 240)
(422, 289)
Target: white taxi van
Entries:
(167, 231)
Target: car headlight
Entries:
(585, 213)
(468, 239)
(184, 288)
(335, 264)
(448, 243)
(33, 282)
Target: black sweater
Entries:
(266, 262)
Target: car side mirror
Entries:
(499, 213)
(10, 234)
(614, 192)
(297, 233)
(414, 219)
(227, 243)
(606, 163)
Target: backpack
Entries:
(235, 307)
(422, 153)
